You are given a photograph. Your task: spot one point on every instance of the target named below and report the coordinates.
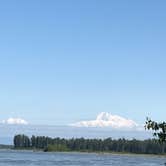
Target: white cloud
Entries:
(105, 119)
(13, 121)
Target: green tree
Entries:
(21, 141)
(158, 128)
(150, 146)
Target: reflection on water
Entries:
(24, 158)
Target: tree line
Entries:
(150, 146)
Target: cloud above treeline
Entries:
(15, 121)
(105, 119)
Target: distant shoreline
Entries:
(83, 152)
(108, 145)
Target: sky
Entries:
(66, 61)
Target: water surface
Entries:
(28, 158)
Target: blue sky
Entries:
(66, 61)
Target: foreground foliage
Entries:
(150, 146)
(158, 128)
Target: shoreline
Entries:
(88, 152)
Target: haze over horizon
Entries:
(65, 62)
(8, 131)
(103, 119)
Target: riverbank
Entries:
(2, 146)
(113, 153)
(87, 152)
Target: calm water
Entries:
(17, 158)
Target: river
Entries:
(28, 158)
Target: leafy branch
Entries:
(158, 128)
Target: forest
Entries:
(149, 146)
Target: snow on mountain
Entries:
(105, 119)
